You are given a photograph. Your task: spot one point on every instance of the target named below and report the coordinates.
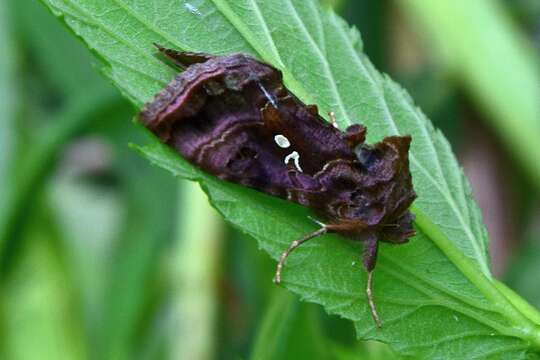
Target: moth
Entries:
(233, 117)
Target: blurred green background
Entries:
(106, 257)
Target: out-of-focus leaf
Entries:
(371, 18)
(117, 231)
(38, 309)
(439, 284)
(8, 104)
(272, 334)
(64, 62)
(525, 268)
(367, 350)
(88, 246)
(194, 276)
(486, 52)
(134, 289)
(43, 153)
(244, 302)
(289, 330)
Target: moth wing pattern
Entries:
(230, 118)
(233, 117)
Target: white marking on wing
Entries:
(282, 141)
(296, 158)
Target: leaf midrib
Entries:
(435, 299)
(466, 310)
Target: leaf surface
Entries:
(8, 103)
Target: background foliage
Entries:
(104, 256)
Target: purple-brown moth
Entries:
(232, 117)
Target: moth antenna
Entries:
(294, 245)
(158, 46)
(371, 302)
(182, 59)
(171, 55)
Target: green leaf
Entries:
(134, 288)
(195, 266)
(275, 327)
(117, 264)
(64, 64)
(43, 154)
(525, 263)
(38, 301)
(8, 104)
(24, 169)
(435, 294)
(494, 62)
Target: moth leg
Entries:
(182, 59)
(371, 245)
(294, 245)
